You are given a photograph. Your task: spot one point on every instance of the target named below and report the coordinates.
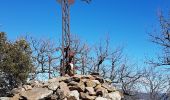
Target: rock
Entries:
(63, 78)
(90, 83)
(100, 91)
(27, 87)
(53, 86)
(60, 94)
(95, 73)
(96, 81)
(80, 87)
(36, 84)
(108, 81)
(101, 98)
(45, 85)
(53, 97)
(109, 87)
(88, 77)
(76, 79)
(17, 90)
(68, 80)
(72, 83)
(4, 98)
(36, 93)
(16, 97)
(90, 90)
(85, 96)
(64, 88)
(101, 80)
(74, 95)
(114, 95)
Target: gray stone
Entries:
(36, 93)
(64, 88)
(80, 87)
(101, 98)
(36, 84)
(109, 87)
(72, 83)
(90, 83)
(53, 97)
(53, 86)
(4, 98)
(90, 90)
(85, 96)
(76, 79)
(17, 90)
(74, 95)
(60, 94)
(96, 81)
(114, 95)
(27, 87)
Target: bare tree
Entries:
(115, 58)
(101, 54)
(44, 56)
(81, 54)
(128, 78)
(162, 38)
(156, 84)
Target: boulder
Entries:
(36, 84)
(74, 95)
(80, 87)
(27, 87)
(91, 91)
(96, 81)
(95, 73)
(64, 88)
(36, 93)
(60, 94)
(101, 92)
(17, 90)
(4, 98)
(73, 83)
(101, 98)
(68, 80)
(63, 78)
(16, 97)
(108, 81)
(76, 78)
(100, 79)
(53, 97)
(109, 87)
(90, 83)
(85, 96)
(114, 95)
(53, 86)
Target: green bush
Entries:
(15, 62)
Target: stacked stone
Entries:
(78, 87)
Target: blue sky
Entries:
(126, 21)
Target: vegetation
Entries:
(15, 63)
(28, 58)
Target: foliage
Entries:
(15, 62)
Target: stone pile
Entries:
(77, 87)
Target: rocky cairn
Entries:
(77, 87)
